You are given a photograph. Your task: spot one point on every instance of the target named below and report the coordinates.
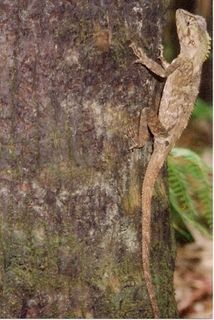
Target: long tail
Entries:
(156, 162)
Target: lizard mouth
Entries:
(183, 13)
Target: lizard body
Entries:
(176, 105)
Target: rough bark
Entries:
(69, 185)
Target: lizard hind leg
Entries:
(155, 125)
(143, 133)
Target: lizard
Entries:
(176, 105)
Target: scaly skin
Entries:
(176, 105)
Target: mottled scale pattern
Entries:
(176, 105)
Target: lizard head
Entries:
(193, 36)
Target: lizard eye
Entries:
(188, 23)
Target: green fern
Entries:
(190, 193)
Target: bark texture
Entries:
(70, 207)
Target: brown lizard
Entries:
(177, 102)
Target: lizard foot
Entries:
(136, 142)
(138, 52)
(137, 145)
(164, 63)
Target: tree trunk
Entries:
(70, 188)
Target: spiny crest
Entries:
(208, 46)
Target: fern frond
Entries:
(190, 191)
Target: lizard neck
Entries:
(195, 59)
(197, 53)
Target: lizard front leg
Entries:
(149, 63)
(153, 66)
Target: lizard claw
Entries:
(138, 52)
(161, 56)
(137, 61)
(161, 50)
(135, 146)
